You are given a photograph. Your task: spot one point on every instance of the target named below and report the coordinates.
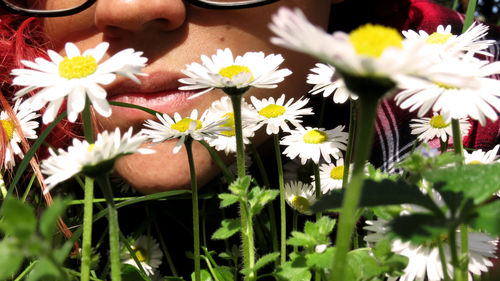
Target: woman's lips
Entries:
(169, 102)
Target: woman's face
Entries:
(172, 33)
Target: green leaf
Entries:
(320, 228)
(301, 239)
(229, 228)
(418, 227)
(49, 218)
(132, 273)
(488, 218)
(369, 270)
(320, 261)
(11, 258)
(478, 182)
(240, 185)
(227, 199)
(294, 270)
(259, 198)
(204, 274)
(265, 260)
(18, 219)
(44, 270)
(386, 192)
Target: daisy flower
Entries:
(300, 196)
(234, 75)
(370, 51)
(27, 123)
(479, 100)
(276, 114)
(423, 259)
(223, 108)
(75, 76)
(324, 80)
(434, 127)
(312, 143)
(482, 157)
(331, 175)
(449, 44)
(90, 159)
(147, 252)
(182, 128)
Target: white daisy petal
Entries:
(76, 75)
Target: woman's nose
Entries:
(117, 18)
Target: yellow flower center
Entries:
(315, 136)
(438, 122)
(232, 70)
(371, 40)
(229, 124)
(272, 111)
(140, 253)
(438, 38)
(301, 203)
(183, 125)
(77, 67)
(444, 86)
(475, 162)
(91, 146)
(337, 173)
(8, 127)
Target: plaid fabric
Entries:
(393, 140)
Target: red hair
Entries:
(22, 38)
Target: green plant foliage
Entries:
(10, 258)
(49, 218)
(419, 227)
(18, 219)
(294, 270)
(132, 273)
(228, 228)
(488, 218)
(478, 182)
(315, 233)
(385, 192)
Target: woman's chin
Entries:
(164, 170)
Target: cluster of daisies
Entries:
(437, 75)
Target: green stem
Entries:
(442, 257)
(196, 219)
(26, 271)
(282, 199)
(347, 220)
(87, 122)
(28, 188)
(247, 234)
(350, 140)
(249, 237)
(469, 15)
(457, 137)
(317, 184)
(114, 230)
(238, 130)
(87, 229)
(294, 227)
(464, 232)
(3, 189)
(457, 272)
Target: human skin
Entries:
(171, 34)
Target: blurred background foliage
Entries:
(487, 11)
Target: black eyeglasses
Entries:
(61, 8)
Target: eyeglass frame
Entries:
(206, 4)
